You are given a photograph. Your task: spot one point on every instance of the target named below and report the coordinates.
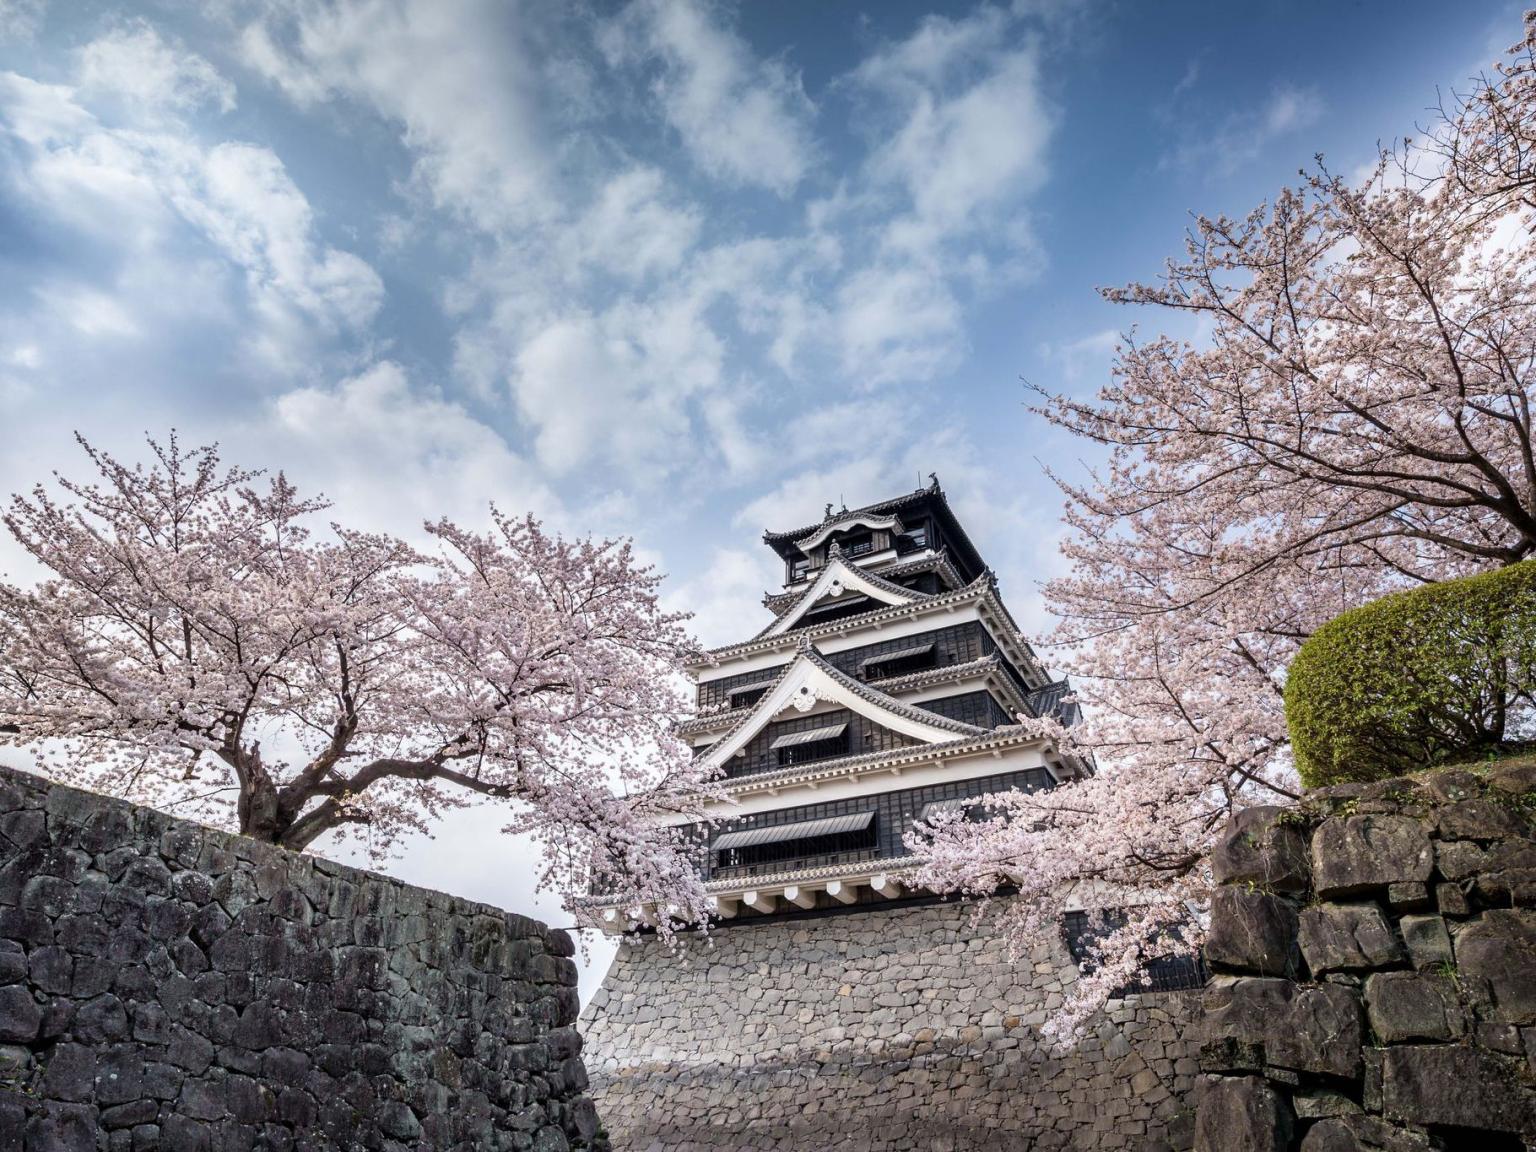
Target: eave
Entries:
(981, 591)
(810, 678)
(831, 582)
(938, 562)
(994, 741)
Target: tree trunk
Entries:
(258, 808)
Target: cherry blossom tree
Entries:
(196, 645)
(1354, 417)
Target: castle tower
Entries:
(834, 1004)
(890, 684)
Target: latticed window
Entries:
(811, 744)
(901, 662)
(748, 694)
(1173, 973)
(855, 832)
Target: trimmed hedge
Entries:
(1417, 678)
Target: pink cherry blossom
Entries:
(197, 646)
(1356, 417)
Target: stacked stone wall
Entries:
(166, 986)
(877, 1031)
(1375, 960)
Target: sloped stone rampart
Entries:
(1375, 984)
(895, 1030)
(164, 986)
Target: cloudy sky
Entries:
(669, 268)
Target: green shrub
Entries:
(1423, 677)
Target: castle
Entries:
(833, 1003)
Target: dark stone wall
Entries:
(908, 1028)
(167, 986)
(1374, 952)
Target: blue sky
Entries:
(677, 270)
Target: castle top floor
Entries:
(916, 524)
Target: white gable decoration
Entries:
(837, 579)
(809, 679)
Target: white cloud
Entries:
(726, 596)
(1083, 363)
(20, 19)
(897, 323)
(460, 80)
(134, 63)
(391, 456)
(614, 387)
(250, 207)
(1239, 137)
(973, 126)
(743, 121)
(89, 312)
(632, 230)
(135, 188)
(960, 130)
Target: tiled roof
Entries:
(877, 509)
(781, 602)
(1047, 701)
(858, 688)
(932, 491)
(913, 680)
(910, 595)
(977, 587)
(820, 770)
(888, 702)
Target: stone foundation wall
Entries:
(1375, 952)
(166, 986)
(892, 1030)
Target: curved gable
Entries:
(809, 679)
(833, 581)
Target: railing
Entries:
(793, 864)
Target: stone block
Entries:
(1353, 855)
(1496, 959)
(1241, 1114)
(1322, 1103)
(1303, 1029)
(1263, 846)
(1455, 1085)
(117, 1034)
(60, 1127)
(20, 1015)
(1451, 900)
(1409, 897)
(1428, 941)
(1413, 1006)
(1319, 1034)
(1252, 932)
(1363, 1134)
(1343, 937)
(1512, 779)
(1480, 818)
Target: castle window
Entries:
(973, 811)
(913, 540)
(811, 744)
(799, 569)
(913, 658)
(749, 849)
(849, 604)
(1181, 970)
(745, 695)
(858, 545)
